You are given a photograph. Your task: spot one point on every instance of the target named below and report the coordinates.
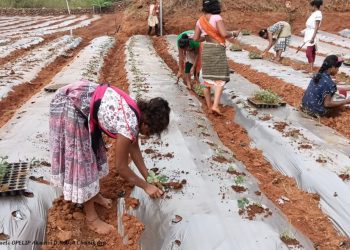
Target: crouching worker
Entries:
(189, 57)
(79, 114)
(317, 100)
(279, 36)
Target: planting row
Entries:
(216, 202)
(25, 137)
(26, 68)
(297, 147)
(8, 47)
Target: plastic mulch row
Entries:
(15, 181)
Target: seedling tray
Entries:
(15, 181)
(260, 104)
(54, 87)
(346, 63)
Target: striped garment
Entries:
(214, 62)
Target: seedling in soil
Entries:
(239, 180)
(242, 203)
(254, 55)
(157, 180)
(267, 96)
(198, 89)
(235, 47)
(231, 170)
(288, 238)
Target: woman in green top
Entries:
(188, 57)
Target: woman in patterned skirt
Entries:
(79, 114)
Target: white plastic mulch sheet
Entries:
(345, 33)
(26, 137)
(207, 204)
(18, 20)
(26, 68)
(19, 26)
(261, 44)
(42, 24)
(315, 170)
(23, 43)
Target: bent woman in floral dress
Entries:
(79, 114)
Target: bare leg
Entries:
(188, 81)
(206, 92)
(311, 70)
(278, 56)
(93, 222)
(217, 97)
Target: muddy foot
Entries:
(99, 226)
(189, 87)
(104, 202)
(216, 112)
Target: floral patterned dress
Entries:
(74, 165)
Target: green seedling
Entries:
(231, 169)
(157, 180)
(235, 47)
(239, 180)
(267, 96)
(3, 166)
(287, 236)
(254, 55)
(198, 89)
(242, 203)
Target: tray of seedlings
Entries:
(254, 55)
(246, 32)
(13, 177)
(266, 99)
(235, 47)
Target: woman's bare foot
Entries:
(99, 226)
(216, 111)
(189, 87)
(104, 202)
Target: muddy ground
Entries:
(303, 212)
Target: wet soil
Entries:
(238, 189)
(303, 208)
(290, 241)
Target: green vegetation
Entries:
(267, 96)
(3, 166)
(55, 4)
(235, 47)
(246, 32)
(254, 55)
(239, 180)
(242, 203)
(157, 180)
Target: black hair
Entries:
(155, 113)
(262, 33)
(316, 3)
(329, 62)
(211, 7)
(184, 41)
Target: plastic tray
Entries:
(15, 180)
(260, 104)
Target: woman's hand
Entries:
(153, 191)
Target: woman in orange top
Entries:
(215, 71)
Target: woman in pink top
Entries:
(79, 114)
(215, 70)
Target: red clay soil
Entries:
(112, 185)
(303, 211)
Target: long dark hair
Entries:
(329, 62)
(211, 7)
(155, 113)
(184, 41)
(316, 3)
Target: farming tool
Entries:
(300, 47)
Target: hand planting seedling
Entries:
(254, 55)
(235, 47)
(3, 166)
(267, 96)
(157, 180)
